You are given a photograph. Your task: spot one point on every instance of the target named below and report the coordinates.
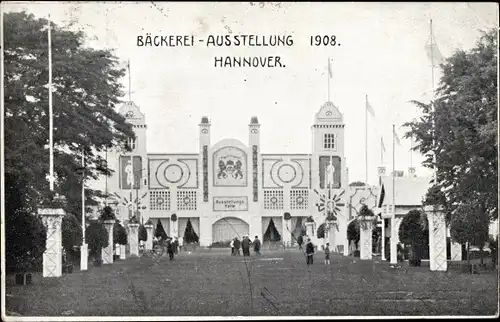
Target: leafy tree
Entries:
(271, 233)
(190, 235)
(71, 231)
(414, 231)
(160, 231)
(25, 237)
(96, 236)
(321, 231)
(353, 232)
(460, 128)
(119, 234)
(107, 213)
(86, 91)
(143, 233)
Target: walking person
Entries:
(170, 248)
(256, 246)
(327, 254)
(300, 241)
(237, 245)
(231, 244)
(176, 246)
(309, 251)
(245, 244)
(181, 243)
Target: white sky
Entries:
(381, 55)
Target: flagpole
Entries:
(328, 76)
(129, 83)
(393, 245)
(366, 139)
(51, 125)
(432, 105)
(381, 152)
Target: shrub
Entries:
(414, 231)
(310, 219)
(72, 233)
(287, 216)
(143, 233)
(133, 220)
(321, 231)
(107, 213)
(221, 244)
(25, 237)
(190, 235)
(119, 234)
(160, 231)
(96, 236)
(173, 217)
(149, 222)
(353, 233)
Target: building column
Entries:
(394, 240)
(366, 233)
(456, 251)
(437, 239)
(149, 242)
(331, 230)
(205, 232)
(52, 257)
(382, 248)
(123, 249)
(174, 227)
(107, 252)
(287, 235)
(310, 230)
(133, 239)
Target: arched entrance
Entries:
(225, 229)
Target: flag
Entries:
(369, 108)
(433, 52)
(329, 68)
(396, 137)
(382, 145)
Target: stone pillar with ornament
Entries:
(174, 226)
(52, 257)
(456, 251)
(287, 235)
(149, 228)
(123, 249)
(437, 238)
(331, 229)
(309, 228)
(365, 236)
(107, 252)
(133, 239)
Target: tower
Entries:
(205, 162)
(254, 146)
(328, 146)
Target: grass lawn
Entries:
(216, 284)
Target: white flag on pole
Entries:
(330, 73)
(396, 138)
(433, 53)
(369, 108)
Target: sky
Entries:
(381, 55)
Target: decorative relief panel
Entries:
(173, 172)
(278, 172)
(273, 199)
(159, 200)
(205, 173)
(230, 167)
(255, 173)
(186, 200)
(299, 199)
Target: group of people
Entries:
(173, 245)
(310, 252)
(245, 244)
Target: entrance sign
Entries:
(230, 203)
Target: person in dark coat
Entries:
(309, 251)
(256, 246)
(170, 248)
(237, 245)
(300, 241)
(245, 244)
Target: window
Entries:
(329, 142)
(131, 144)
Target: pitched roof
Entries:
(409, 191)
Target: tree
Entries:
(25, 237)
(160, 231)
(190, 235)
(143, 233)
(414, 231)
(119, 234)
(353, 233)
(320, 233)
(71, 231)
(460, 128)
(272, 233)
(96, 236)
(86, 91)
(107, 213)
